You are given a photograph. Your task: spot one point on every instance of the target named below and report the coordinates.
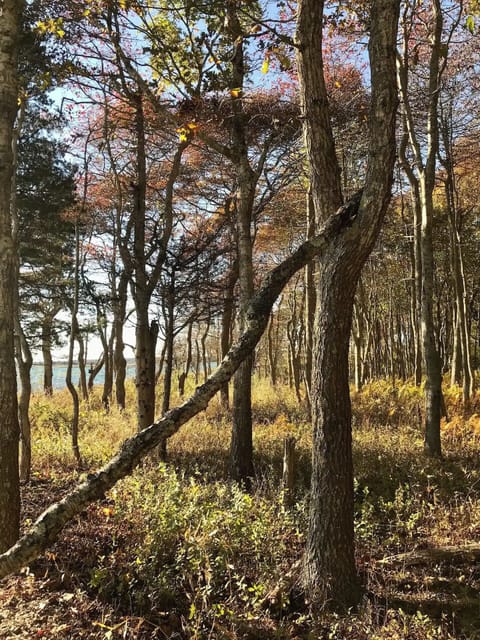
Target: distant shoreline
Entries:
(64, 363)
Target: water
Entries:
(60, 371)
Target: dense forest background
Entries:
(272, 205)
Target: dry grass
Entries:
(177, 549)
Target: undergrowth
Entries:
(194, 555)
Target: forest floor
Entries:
(176, 551)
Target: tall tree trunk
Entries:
(330, 572)
(109, 372)
(82, 379)
(71, 346)
(416, 248)
(241, 448)
(9, 427)
(22, 349)
(205, 354)
(272, 348)
(358, 340)
(226, 327)
(94, 370)
(310, 301)
(146, 332)
(47, 355)
(169, 319)
(330, 563)
(169, 340)
(145, 344)
(107, 345)
(433, 373)
(418, 278)
(119, 362)
(24, 363)
(188, 361)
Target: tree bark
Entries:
(9, 427)
(330, 573)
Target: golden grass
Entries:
(189, 537)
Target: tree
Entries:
(9, 427)
(330, 572)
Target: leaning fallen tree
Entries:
(45, 531)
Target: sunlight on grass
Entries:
(223, 560)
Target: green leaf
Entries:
(470, 24)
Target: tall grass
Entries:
(189, 547)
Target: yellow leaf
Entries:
(337, 84)
(192, 126)
(235, 93)
(265, 65)
(182, 137)
(60, 33)
(41, 26)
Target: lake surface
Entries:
(60, 371)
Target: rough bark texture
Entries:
(48, 526)
(330, 572)
(9, 428)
